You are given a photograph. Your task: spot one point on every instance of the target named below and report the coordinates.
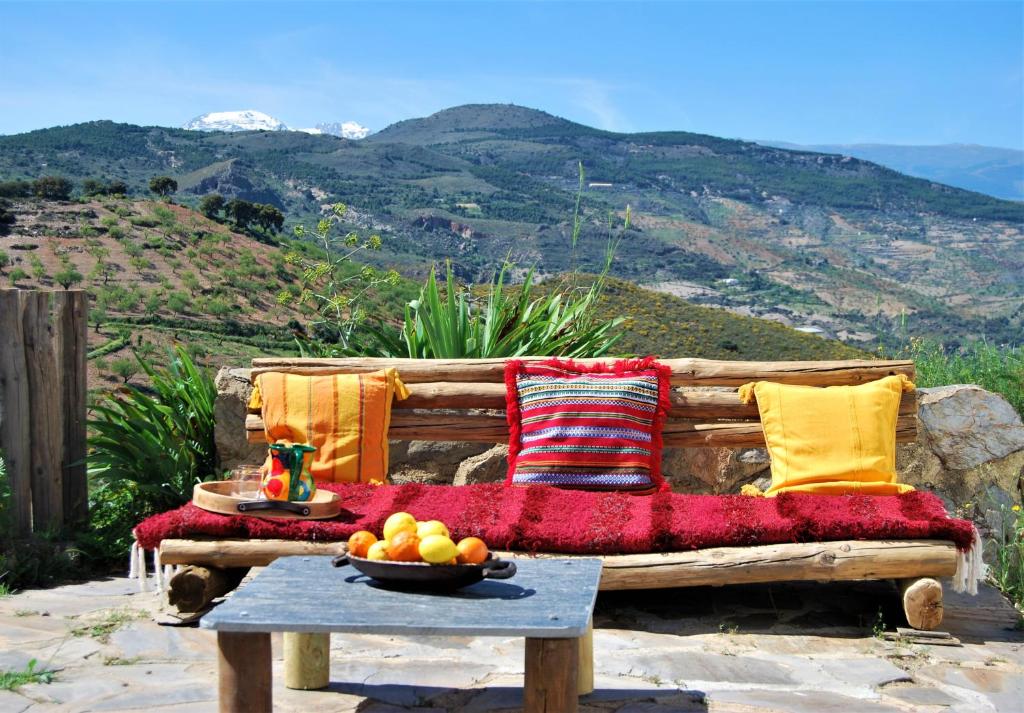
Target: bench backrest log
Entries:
(464, 399)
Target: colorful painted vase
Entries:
(289, 477)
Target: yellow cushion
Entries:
(344, 416)
(833, 440)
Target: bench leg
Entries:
(551, 676)
(585, 677)
(244, 672)
(922, 602)
(307, 660)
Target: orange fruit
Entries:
(359, 543)
(404, 547)
(472, 550)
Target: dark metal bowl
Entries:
(423, 576)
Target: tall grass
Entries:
(1006, 551)
(992, 367)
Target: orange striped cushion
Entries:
(345, 416)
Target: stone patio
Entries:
(793, 648)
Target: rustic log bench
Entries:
(463, 399)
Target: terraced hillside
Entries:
(815, 241)
(160, 274)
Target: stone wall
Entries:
(969, 450)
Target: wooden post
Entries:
(244, 672)
(551, 676)
(42, 406)
(46, 419)
(307, 660)
(922, 602)
(585, 677)
(15, 409)
(72, 309)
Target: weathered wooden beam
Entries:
(846, 560)
(804, 561)
(685, 372)
(195, 587)
(240, 553)
(412, 426)
(686, 403)
(71, 309)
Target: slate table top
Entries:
(547, 598)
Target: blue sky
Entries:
(810, 72)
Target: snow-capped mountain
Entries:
(252, 120)
(344, 129)
(248, 120)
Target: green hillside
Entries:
(830, 241)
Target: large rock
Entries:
(712, 470)
(969, 450)
(229, 409)
(967, 426)
(491, 466)
(433, 462)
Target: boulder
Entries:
(434, 462)
(712, 470)
(969, 450)
(229, 409)
(491, 466)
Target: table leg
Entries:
(551, 676)
(307, 660)
(585, 678)
(244, 668)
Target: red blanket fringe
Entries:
(545, 519)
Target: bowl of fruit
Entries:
(422, 555)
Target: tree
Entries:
(15, 189)
(93, 187)
(117, 188)
(243, 213)
(7, 217)
(15, 275)
(124, 368)
(163, 186)
(56, 188)
(98, 315)
(190, 281)
(211, 205)
(5, 260)
(270, 218)
(67, 275)
(38, 268)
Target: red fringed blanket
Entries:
(546, 519)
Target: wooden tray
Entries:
(221, 497)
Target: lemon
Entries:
(437, 549)
(431, 527)
(398, 522)
(378, 550)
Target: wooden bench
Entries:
(463, 399)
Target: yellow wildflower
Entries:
(1016, 508)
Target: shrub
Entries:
(56, 188)
(163, 186)
(67, 276)
(124, 368)
(158, 441)
(16, 275)
(1006, 551)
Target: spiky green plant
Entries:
(158, 440)
(506, 324)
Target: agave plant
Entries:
(508, 324)
(160, 442)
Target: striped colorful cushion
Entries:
(592, 427)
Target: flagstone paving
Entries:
(791, 648)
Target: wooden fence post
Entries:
(42, 406)
(14, 409)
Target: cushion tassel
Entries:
(970, 567)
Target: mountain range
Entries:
(827, 243)
(995, 171)
(252, 120)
